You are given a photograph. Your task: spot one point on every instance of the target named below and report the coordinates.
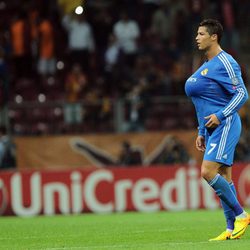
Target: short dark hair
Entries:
(213, 27)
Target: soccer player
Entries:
(217, 92)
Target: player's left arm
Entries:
(212, 122)
(235, 86)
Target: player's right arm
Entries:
(200, 140)
(200, 143)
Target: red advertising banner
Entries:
(31, 193)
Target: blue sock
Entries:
(228, 212)
(224, 192)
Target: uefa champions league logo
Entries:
(235, 81)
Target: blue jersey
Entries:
(216, 88)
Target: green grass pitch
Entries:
(161, 230)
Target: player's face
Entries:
(203, 38)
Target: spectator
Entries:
(111, 55)
(175, 152)
(93, 108)
(111, 61)
(33, 18)
(81, 42)
(127, 32)
(129, 156)
(75, 82)
(21, 46)
(46, 61)
(148, 8)
(137, 107)
(162, 22)
(182, 31)
(7, 150)
(102, 25)
(105, 112)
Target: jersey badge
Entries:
(204, 72)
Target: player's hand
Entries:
(212, 122)
(200, 143)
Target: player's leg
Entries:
(210, 172)
(220, 151)
(226, 172)
(228, 212)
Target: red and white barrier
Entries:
(29, 193)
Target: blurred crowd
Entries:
(116, 45)
(132, 49)
(7, 150)
(172, 152)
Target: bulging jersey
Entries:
(216, 88)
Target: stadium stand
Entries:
(159, 61)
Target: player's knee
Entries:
(204, 173)
(207, 173)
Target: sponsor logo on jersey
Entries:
(192, 79)
(204, 72)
